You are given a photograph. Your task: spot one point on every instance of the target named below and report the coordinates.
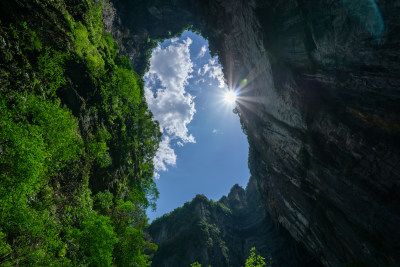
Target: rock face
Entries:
(222, 233)
(320, 102)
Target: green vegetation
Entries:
(193, 235)
(253, 260)
(76, 140)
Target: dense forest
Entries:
(76, 140)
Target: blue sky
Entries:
(204, 150)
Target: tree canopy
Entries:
(77, 140)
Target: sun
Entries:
(230, 97)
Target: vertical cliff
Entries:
(319, 83)
(222, 233)
(324, 137)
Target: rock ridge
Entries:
(222, 233)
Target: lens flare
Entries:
(230, 97)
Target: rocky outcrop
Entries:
(222, 233)
(320, 98)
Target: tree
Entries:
(252, 261)
(255, 260)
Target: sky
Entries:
(203, 149)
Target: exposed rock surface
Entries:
(222, 233)
(321, 108)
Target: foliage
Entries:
(38, 138)
(97, 239)
(130, 250)
(192, 230)
(255, 260)
(51, 70)
(103, 202)
(77, 141)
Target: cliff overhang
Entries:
(321, 110)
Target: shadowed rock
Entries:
(320, 105)
(222, 233)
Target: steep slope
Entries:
(222, 233)
(76, 140)
(320, 103)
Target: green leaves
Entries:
(103, 201)
(51, 70)
(127, 86)
(255, 260)
(5, 248)
(28, 38)
(48, 215)
(252, 261)
(130, 249)
(97, 147)
(87, 50)
(133, 248)
(38, 138)
(97, 240)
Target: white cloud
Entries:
(171, 105)
(202, 52)
(165, 156)
(200, 81)
(213, 70)
(174, 111)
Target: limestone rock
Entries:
(321, 108)
(222, 233)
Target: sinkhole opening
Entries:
(203, 148)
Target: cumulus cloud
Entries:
(172, 106)
(202, 52)
(213, 70)
(165, 156)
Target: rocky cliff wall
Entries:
(320, 102)
(222, 233)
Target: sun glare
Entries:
(230, 97)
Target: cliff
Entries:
(222, 233)
(320, 103)
(76, 140)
